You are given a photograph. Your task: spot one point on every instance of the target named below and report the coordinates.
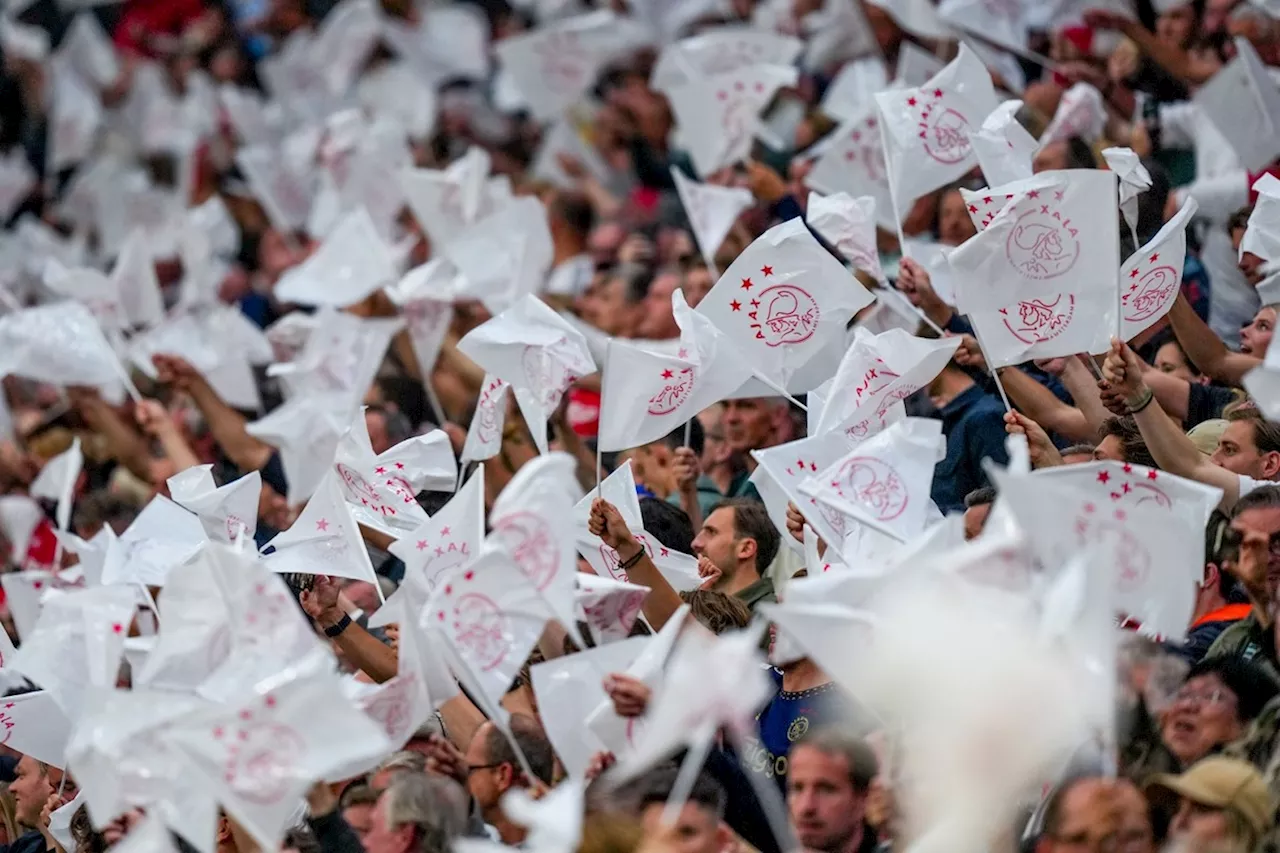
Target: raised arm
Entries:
(662, 601)
(1168, 444)
(1206, 351)
(225, 423)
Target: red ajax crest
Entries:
(1041, 244)
(1039, 321)
(676, 388)
(873, 484)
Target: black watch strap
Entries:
(338, 627)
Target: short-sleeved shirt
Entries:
(786, 719)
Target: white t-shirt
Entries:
(1248, 484)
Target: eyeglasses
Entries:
(472, 768)
(1213, 697)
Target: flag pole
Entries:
(608, 348)
(694, 758)
(688, 430)
(893, 189)
(994, 371)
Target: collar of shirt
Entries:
(961, 403)
(761, 590)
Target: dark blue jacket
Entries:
(973, 424)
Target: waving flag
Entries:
(57, 481)
(619, 489)
(555, 64)
(448, 540)
(1151, 278)
(1003, 147)
(1241, 101)
(228, 511)
(720, 50)
(1000, 22)
(531, 521)
(849, 224)
(783, 301)
(484, 435)
(61, 343)
(35, 725)
(324, 540)
(712, 210)
(351, 263)
(927, 129)
(884, 482)
(447, 202)
(876, 372)
(787, 466)
(648, 395)
(609, 607)
(717, 116)
(260, 754)
(381, 489)
(1081, 112)
(1040, 279)
(851, 160)
(490, 615)
(529, 346)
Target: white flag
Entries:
(381, 489)
(852, 161)
(1003, 147)
(619, 489)
(1242, 102)
(1081, 112)
(718, 116)
(998, 21)
(783, 301)
(448, 540)
(720, 50)
(849, 224)
(712, 210)
(227, 511)
(1151, 278)
(876, 372)
(57, 481)
(647, 395)
(884, 482)
(532, 522)
(927, 129)
(324, 540)
(532, 348)
(1040, 280)
(484, 435)
(351, 263)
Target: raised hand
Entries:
(630, 695)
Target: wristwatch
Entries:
(338, 627)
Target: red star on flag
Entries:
(1104, 476)
(422, 544)
(766, 270)
(380, 470)
(1155, 257)
(1151, 475)
(322, 524)
(444, 531)
(735, 305)
(911, 102)
(746, 284)
(1033, 194)
(667, 374)
(937, 93)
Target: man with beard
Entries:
(827, 786)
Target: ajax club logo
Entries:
(676, 388)
(1042, 243)
(1149, 290)
(1039, 320)
(944, 129)
(780, 314)
(874, 485)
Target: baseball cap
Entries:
(1223, 783)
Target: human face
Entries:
(1238, 453)
(697, 283)
(486, 780)
(1136, 834)
(1215, 14)
(382, 838)
(748, 424)
(1175, 26)
(1109, 448)
(697, 830)
(605, 306)
(114, 832)
(376, 423)
(717, 542)
(31, 789)
(1265, 520)
(603, 242)
(1087, 822)
(954, 224)
(1170, 360)
(1204, 715)
(825, 809)
(1255, 338)
(1199, 827)
(975, 517)
(657, 321)
(360, 819)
